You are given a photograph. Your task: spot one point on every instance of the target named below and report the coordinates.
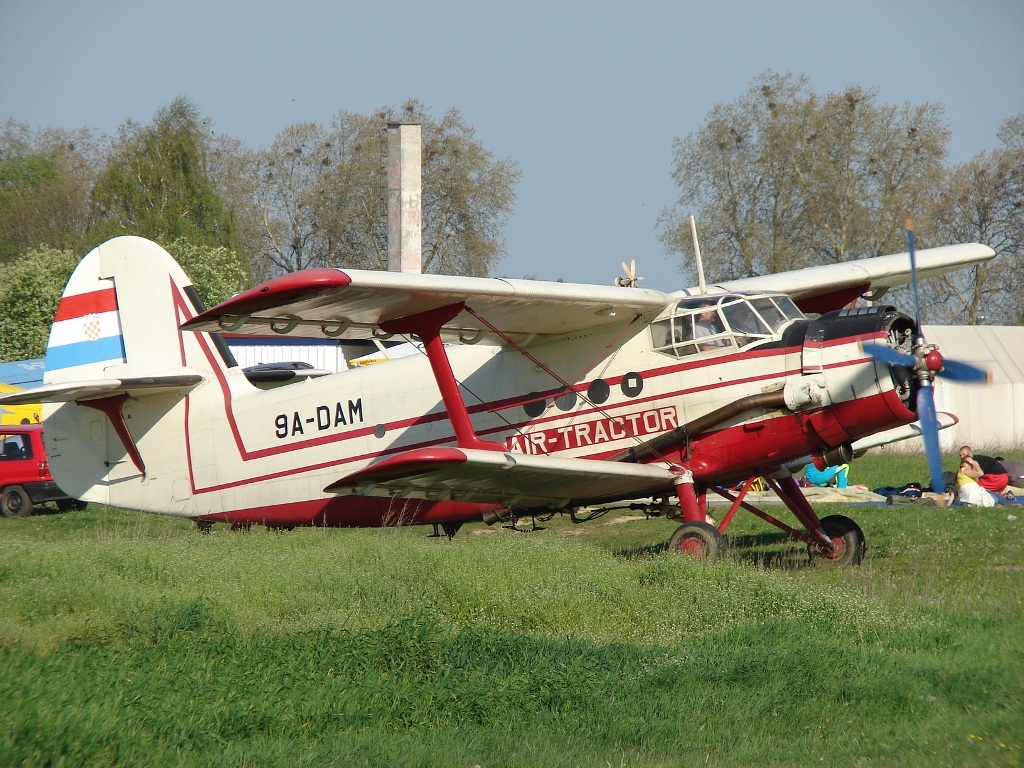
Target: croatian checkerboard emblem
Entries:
(91, 327)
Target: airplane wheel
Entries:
(847, 540)
(700, 540)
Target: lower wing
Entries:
(505, 479)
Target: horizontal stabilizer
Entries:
(505, 479)
(72, 391)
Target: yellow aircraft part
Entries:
(19, 414)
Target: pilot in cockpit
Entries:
(708, 325)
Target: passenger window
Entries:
(661, 333)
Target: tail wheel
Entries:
(700, 540)
(14, 502)
(847, 542)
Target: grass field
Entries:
(130, 639)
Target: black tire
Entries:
(14, 502)
(847, 539)
(700, 540)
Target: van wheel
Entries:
(14, 502)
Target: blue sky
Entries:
(586, 96)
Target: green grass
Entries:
(129, 639)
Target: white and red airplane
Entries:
(527, 397)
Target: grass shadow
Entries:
(646, 550)
(43, 511)
(771, 550)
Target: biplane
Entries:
(522, 397)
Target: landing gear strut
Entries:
(833, 540)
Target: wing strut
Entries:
(427, 325)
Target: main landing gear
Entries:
(833, 540)
(701, 540)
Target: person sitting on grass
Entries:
(838, 475)
(981, 480)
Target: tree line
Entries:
(785, 177)
(781, 178)
(316, 197)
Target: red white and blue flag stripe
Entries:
(87, 329)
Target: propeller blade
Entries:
(957, 371)
(889, 355)
(930, 432)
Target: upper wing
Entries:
(495, 477)
(329, 302)
(832, 286)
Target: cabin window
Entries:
(721, 322)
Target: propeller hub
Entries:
(933, 361)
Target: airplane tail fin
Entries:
(119, 317)
(118, 370)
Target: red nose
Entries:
(933, 361)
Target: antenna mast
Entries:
(700, 263)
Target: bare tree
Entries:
(287, 178)
(784, 178)
(982, 200)
(321, 195)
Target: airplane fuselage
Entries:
(229, 451)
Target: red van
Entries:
(25, 478)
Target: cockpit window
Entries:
(720, 322)
(766, 308)
(776, 311)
